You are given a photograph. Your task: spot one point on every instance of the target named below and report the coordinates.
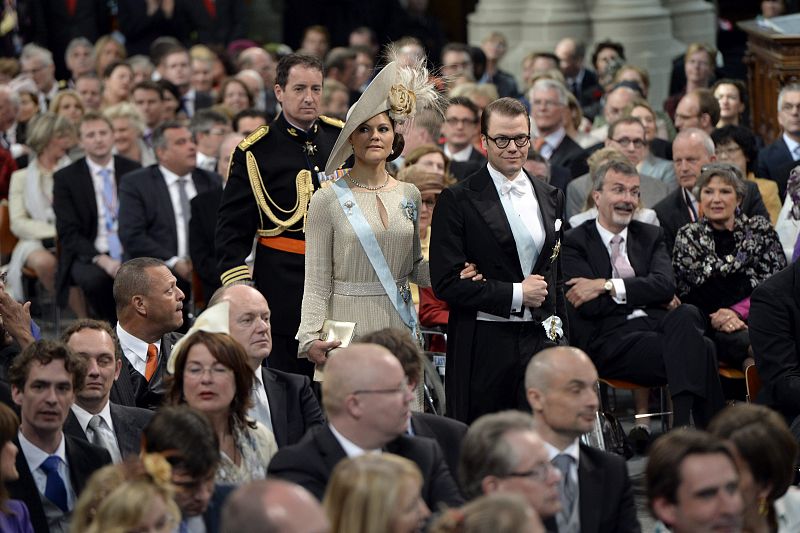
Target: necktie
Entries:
(620, 261)
(110, 201)
(538, 144)
(152, 361)
(260, 411)
(575, 88)
(183, 527)
(55, 489)
(516, 187)
(690, 205)
(186, 209)
(101, 436)
(796, 252)
(796, 153)
(568, 487)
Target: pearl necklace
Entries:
(368, 187)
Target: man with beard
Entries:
(622, 301)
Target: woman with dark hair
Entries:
(235, 96)
(738, 145)
(211, 374)
(731, 95)
(14, 516)
(720, 259)
(362, 233)
(765, 453)
(171, 100)
(117, 83)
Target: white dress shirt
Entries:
(35, 456)
(573, 450)
(621, 296)
(134, 349)
(85, 416)
(527, 207)
(793, 146)
(101, 241)
(260, 410)
(350, 448)
(206, 162)
(551, 142)
(181, 218)
(461, 155)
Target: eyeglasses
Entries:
(33, 70)
(727, 170)
(3, 276)
(790, 107)
(619, 190)
(537, 473)
(728, 151)
(215, 371)
(626, 141)
(462, 121)
(502, 141)
(402, 389)
(430, 204)
(546, 103)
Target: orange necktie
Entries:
(152, 361)
(538, 143)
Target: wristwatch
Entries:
(607, 286)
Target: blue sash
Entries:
(401, 299)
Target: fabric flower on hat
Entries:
(402, 102)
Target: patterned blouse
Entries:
(256, 447)
(754, 255)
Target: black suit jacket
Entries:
(774, 327)
(673, 214)
(449, 433)
(76, 214)
(129, 422)
(470, 225)
(774, 163)
(293, 407)
(585, 256)
(310, 462)
(132, 390)
(570, 155)
(605, 493)
(146, 215)
(202, 250)
(83, 458)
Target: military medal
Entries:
(553, 328)
(310, 148)
(556, 250)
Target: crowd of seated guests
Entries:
(114, 158)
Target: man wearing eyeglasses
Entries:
(776, 160)
(367, 401)
(510, 226)
(502, 452)
(697, 109)
(621, 289)
(596, 492)
(460, 129)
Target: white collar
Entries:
(573, 450)
(94, 168)
(134, 344)
(85, 416)
(461, 155)
(170, 177)
(350, 448)
(35, 456)
(791, 144)
(606, 235)
(498, 178)
(554, 139)
(260, 376)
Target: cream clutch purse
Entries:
(334, 330)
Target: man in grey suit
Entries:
(282, 401)
(93, 417)
(627, 135)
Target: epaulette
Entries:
(332, 121)
(251, 139)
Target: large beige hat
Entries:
(214, 319)
(397, 89)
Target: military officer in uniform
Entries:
(272, 174)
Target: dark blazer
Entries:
(605, 493)
(83, 458)
(213, 514)
(309, 463)
(293, 407)
(141, 29)
(774, 163)
(774, 327)
(469, 224)
(585, 256)
(461, 170)
(202, 226)
(132, 390)
(129, 422)
(76, 214)
(146, 215)
(673, 213)
(447, 432)
(569, 154)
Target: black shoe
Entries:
(640, 438)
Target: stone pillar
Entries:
(693, 20)
(502, 16)
(645, 29)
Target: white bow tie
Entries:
(518, 187)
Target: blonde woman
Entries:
(68, 103)
(373, 493)
(128, 126)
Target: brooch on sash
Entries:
(405, 292)
(409, 209)
(556, 251)
(553, 328)
(349, 206)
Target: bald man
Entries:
(272, 505)
(282, 401)
(561, 386)
(367, 401)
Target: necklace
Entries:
(352, 180)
